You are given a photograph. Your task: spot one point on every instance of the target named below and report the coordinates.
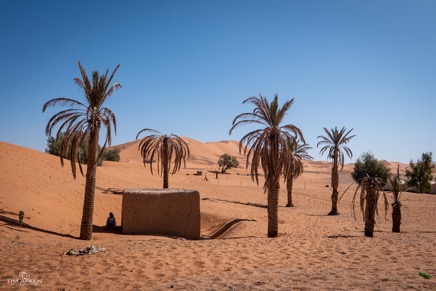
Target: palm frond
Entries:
(396, 185)
(298, 153)
(79, 120)
(152, 145)
(334, 142)
(145, 130)
(363, 186)
(62, 102)
(268, 147)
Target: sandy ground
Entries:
(313, 251)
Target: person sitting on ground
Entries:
(111, 222)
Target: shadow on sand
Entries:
(321, 215)
(219, 230)
(103, 229)
(16, 223)
(237, 202)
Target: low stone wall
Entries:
(173, 212)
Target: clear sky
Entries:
(186, 67)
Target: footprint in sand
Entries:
(199, 264)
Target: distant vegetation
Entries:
(419, 176)
(227, 162)
(54, 148)
(111, 155)
(368, 166)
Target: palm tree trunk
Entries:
(91, 174)
(396, 216)
(273, 209)
(335, 184)
(289, 185)
(273, 182)
(165, 163)
(371, 202)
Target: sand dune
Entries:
(313, 251)
(202, 155)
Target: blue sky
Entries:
(186, 67)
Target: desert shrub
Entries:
(419, 176)
(226, 162)
(54, 147)
(111, 155)
(368, 166)
(21, 217)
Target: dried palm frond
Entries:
(365, 184)
(298, 154)
(168, 149)
(396, 185)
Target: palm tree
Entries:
(166, 147)
(370, 188)
(298, 154)
(396, 205)
(269, 147)
(82, 123)
(370, 175)
(334, 142)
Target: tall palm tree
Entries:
(167, 148)
(334, 142)
(82, 123)
(298, 154)
(269, 147)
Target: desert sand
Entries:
(312, 252)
